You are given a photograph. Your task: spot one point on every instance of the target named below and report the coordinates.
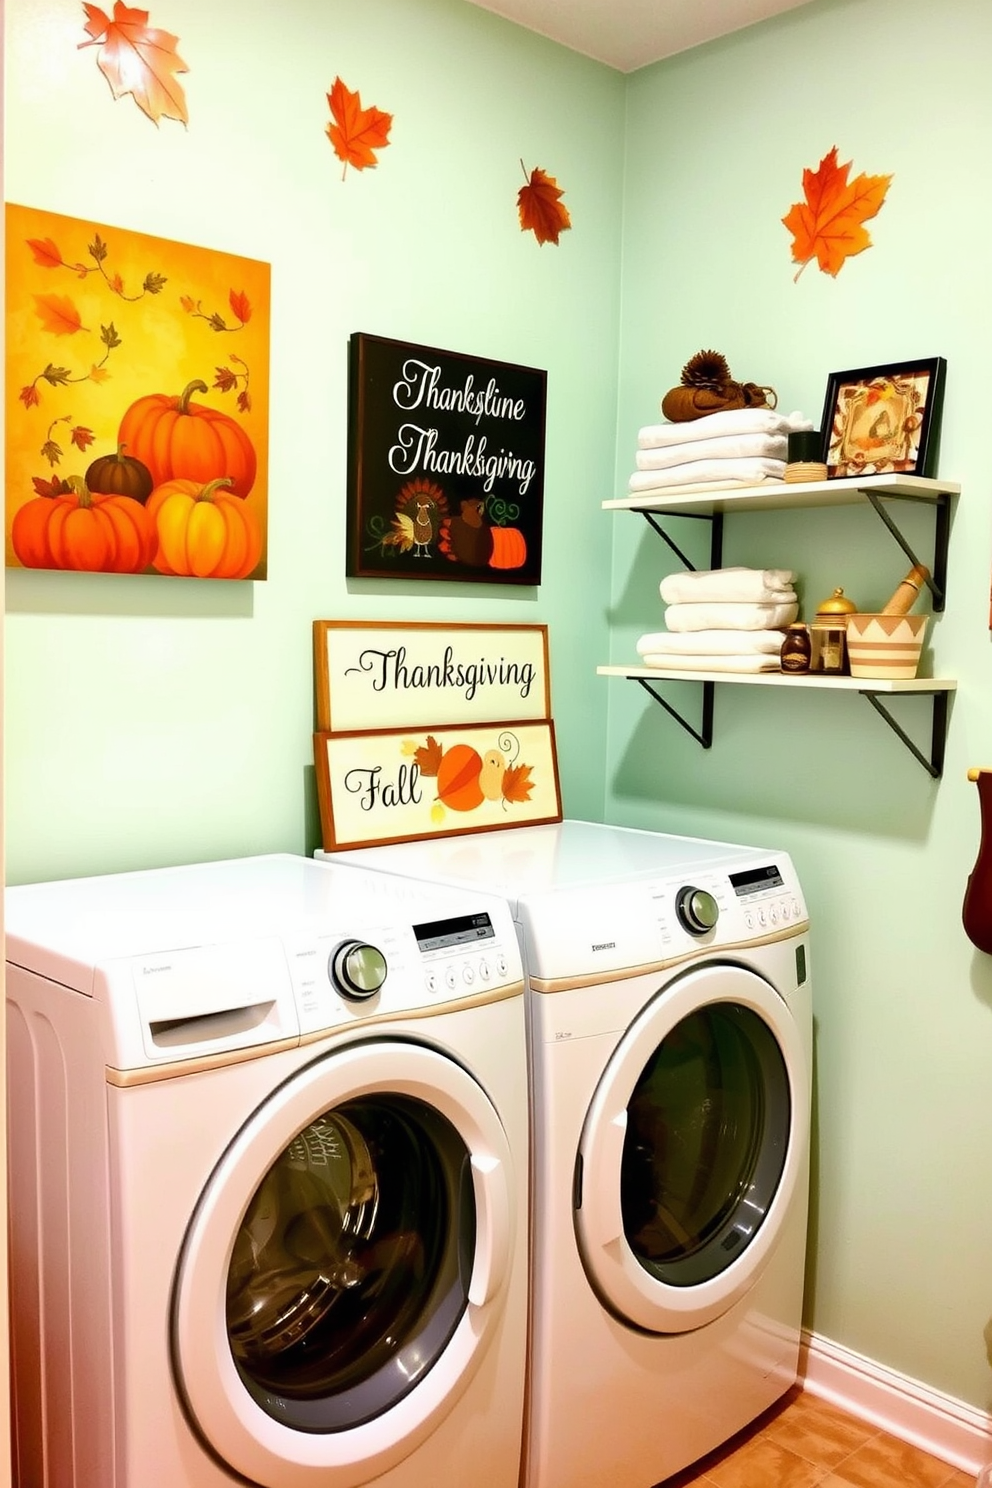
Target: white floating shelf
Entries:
(806, 680)
(780, 495)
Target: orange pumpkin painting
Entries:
(137, 380)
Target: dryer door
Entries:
(341, 1276)
(693, 1149)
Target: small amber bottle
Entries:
(796, 649)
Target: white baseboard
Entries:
(937, 1423)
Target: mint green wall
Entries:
(901, 1253)
(153, 722)
(150, 722)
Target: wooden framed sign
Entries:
(445, 465)
(391, 785)
(405, 674)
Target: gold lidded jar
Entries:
(828, 634)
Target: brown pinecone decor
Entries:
(707, 387)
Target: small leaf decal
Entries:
(828, 224)
(136, 58)
(356, 133)
(540, 207)
(58, 314)
(428, 757)
(517, 784)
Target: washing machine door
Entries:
(693, 1149)
(342, 1275)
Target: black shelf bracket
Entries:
(934, 764)
(704, 734)
(937, 582)
(716, 536)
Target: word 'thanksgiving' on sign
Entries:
(445, 465)
(385, 674)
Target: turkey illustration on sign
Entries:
(446, 465)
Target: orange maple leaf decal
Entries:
(356, 133)
(428, 756)
(540, 207)
(828, 225)
(517, 784)
(136, 58)
(58, 314)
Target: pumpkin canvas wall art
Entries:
(137, 402)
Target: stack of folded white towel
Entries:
(738, 447)
(723, 620)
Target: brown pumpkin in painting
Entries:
(179, 439)
(84, 530)
(204, 532)
(509, 548)
(120, 475)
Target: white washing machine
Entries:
(671, 1047)
(268, 1180)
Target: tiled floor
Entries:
(804, 1441)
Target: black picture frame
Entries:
(445, 465)
(884, 420)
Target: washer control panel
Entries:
(461, 953)
(387, 966)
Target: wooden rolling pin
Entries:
(908, 592)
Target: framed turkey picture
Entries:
(445, 465)
(884, 420)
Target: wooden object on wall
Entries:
(976, 913)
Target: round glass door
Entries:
(692, 1150)
(350, 1269)
(707, 1132)
(345, 1269)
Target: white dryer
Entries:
(671, 1046)
(268, 1141)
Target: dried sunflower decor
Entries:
(707, 387)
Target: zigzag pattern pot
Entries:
(886, 646)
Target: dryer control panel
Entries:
(651, 921)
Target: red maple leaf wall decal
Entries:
(356, 133)
(138, 59)
(540, 207)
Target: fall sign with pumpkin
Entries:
(445, 465)
(388, 786)
(136, 402)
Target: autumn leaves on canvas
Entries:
(136, 402)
